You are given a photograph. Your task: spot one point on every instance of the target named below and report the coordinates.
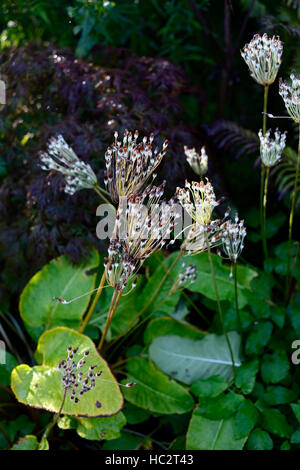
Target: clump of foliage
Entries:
(203, 356)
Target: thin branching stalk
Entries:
(93, 305)
(219, 305)
(113, 307)
(263, 171)
(55, 418)
(130, 330)
(236, 298)
(264, 234)
(291, 219)
(100, 193)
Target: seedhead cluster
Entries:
(73, 380)
(232, 238)
(130, 164)
(198, 162)
(60, 157)
(271, 149)
(290, 92)
(185, 278)
(199, 200)
(263, 57)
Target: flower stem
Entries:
(263, 169)
(100, 192)
(291, 219)
(264, 235)
(219, 305)
(55, 419)
(236, 298)
(92, 307)
(113, 307)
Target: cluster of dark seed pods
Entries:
(73, 380)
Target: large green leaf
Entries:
(204, 282)
(207, 434)
(188, 360)
(41, 387)
(30, 442)
(154, 391)
(95, 429)
(60, 279)
(167, 325)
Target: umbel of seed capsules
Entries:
(73, 380)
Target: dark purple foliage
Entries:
(50, 92)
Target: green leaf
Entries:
(209, 388)
(246, 376)
(95, 429)
(60, 279)
(204, 282)
(296, 409)
(245, 419)
(5, 369)
(276, 423)
(258, 338)
(295, 439)
(286, 445)
(125, 442)
(165, 325)
(221, 407)
(19, 427)
(134, 414)
(41, 387)
(259, 440)
(278, 395)
(206, 434)
(154, 391)
(26, 443)
(189, 360)
(160, 297)
(275, 367)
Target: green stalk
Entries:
(56, 416)
(264, 238)
(113, 307)
(291, 219)
(236, 298)
(219, 305)
(263, 170)
(100, 192)
(95, 301)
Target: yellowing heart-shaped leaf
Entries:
(41, 386)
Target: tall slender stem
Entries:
(236, 298)
(55, 419)
(93, 305)
(291, 219)
(263, 169)
(147, 305)
(100, 191)
(219, 305)
(113, 307)
(264, 235)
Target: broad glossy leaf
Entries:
(154, 390)
(166, 325)
(41, 387)
(209, 388)
(207, 434)
(188, 360)
(29, 442)
(95, 429)
(60, 279)
(204, 282)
